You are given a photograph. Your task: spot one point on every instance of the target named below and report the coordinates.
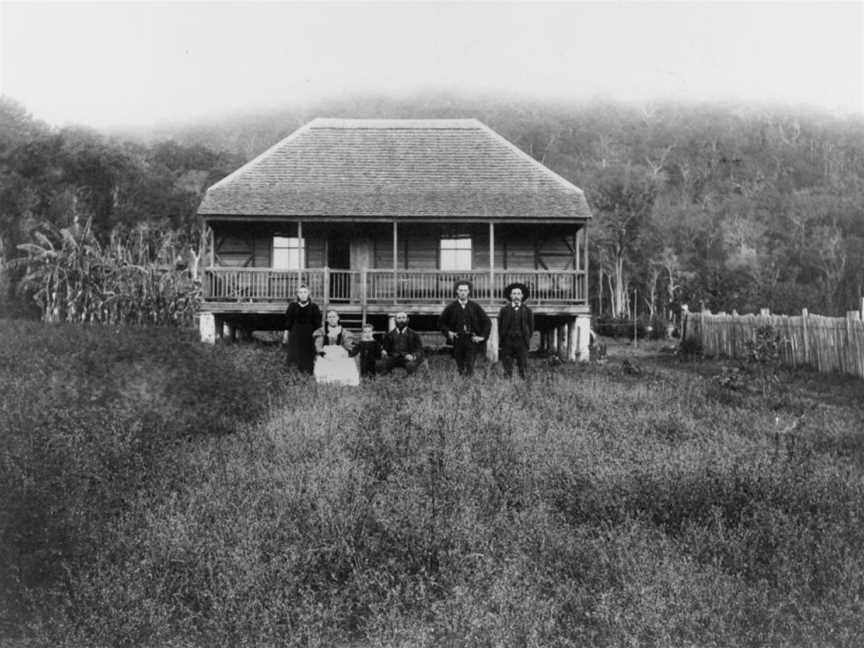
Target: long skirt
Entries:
(335, 367)
(301, 347)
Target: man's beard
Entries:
(401, 325)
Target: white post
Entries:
(585, 261)
(492, 342)
(583, 337)
(207, 328)
(572, 350)
(212, 236)
(561, 332)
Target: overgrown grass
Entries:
(161, 492)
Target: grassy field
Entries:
(160, 492)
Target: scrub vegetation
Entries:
(157, 491)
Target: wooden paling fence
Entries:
(826, 343)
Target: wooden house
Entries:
(377, 216)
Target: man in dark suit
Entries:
(465, 325)
(402, 347)
(515, 328)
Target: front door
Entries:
(339, 262)
(339, 253)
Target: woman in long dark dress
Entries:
(302, 318)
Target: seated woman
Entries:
(332, 343)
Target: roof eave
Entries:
(268, 217)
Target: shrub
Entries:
(619, 327)
(764, 359)
(690, 348)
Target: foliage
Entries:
(623, 200)
(764, 357)
(721, 206)
(161, 492)
(765, 347)
(756, 206)
(618, 327)
(53, 179)
(690, 347)
(132, 280)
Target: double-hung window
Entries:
(456, 253)
(288, 253)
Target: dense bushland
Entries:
(734, 206)
(165, 493)
(730, 207)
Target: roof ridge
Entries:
(411, 123)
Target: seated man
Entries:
(402, 348)
(368, 350)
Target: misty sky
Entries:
(143, 63)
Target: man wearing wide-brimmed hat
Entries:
(515, 328)
(465, 325)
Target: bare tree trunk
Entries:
(600, 291)
(620, 300)
(651, 300)
(611, 295)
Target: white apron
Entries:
(335, 367)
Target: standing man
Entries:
(302, 318)
(402, 348)
(465, 325)
(515, 328)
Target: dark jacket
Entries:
(305, 316)
(478, 320)
(414, 343)
(520, 322)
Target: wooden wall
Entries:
(517, 247)
(243, 249)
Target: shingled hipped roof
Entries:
(400, 168)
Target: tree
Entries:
(622, 199)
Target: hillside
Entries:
(724, 206)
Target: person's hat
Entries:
(521, 286)
(463, 281)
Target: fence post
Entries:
(851, 316)
(806, 337)
(852, 352)
(684, 324)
